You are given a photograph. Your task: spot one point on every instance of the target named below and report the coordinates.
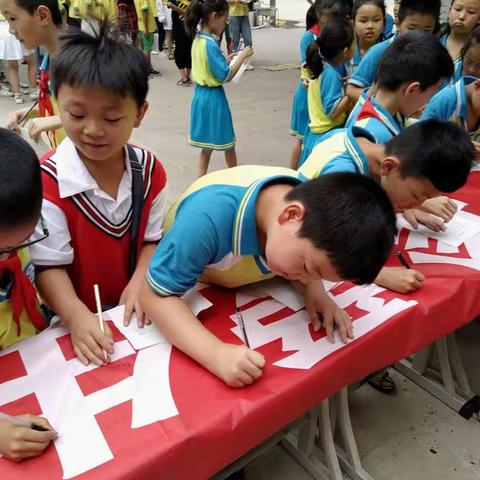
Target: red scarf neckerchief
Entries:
(368, 111)
(315, 30)
(23, 295)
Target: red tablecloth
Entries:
(215, 424)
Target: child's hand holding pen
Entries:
(24, 437)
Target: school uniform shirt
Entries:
(212, 232)
(364, 74)
(340, 152)
(9, 333)
(98, 9)
(209, 66)
(457, 64)
(238, 9)
(89, 230)
(149, 6)
(376, 119)
(389, 26)
(324, 95)
(451, 104)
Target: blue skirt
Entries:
(211, 125)
(300, 119)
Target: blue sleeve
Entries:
(440, 106)
(331, 91)
(388, 28)
(364, 74)
(217, 62)
(305, 42)
(182, 255)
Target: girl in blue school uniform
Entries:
(299, 119)
(463, 17)
(327, 102)
(211, 126)
(369, 18)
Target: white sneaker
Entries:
(250, 67)
(33, 94)
(6, 92)
(154, 52)
(18, 98)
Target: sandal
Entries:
(383, 383)
(183, 83)
(155, 73)
(171, 57)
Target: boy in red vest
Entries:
(20, 317)
(104, 200)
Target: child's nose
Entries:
(93, 129)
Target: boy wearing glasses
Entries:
(20, 317)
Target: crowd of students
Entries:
(94, 211)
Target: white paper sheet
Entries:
(458, 230)
(242, 69)
(150, 335)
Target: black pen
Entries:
(403, 261)
(242, 326)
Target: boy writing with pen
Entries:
(248, 223)
(104, 200)
(20, 316)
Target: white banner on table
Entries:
(81, 444)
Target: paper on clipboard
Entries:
(242, 68)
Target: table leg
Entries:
(450, 385)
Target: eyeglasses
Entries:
(30, 242)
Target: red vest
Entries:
(101, 249)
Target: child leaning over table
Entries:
(89, 182)
(246, 224)
(20, 316)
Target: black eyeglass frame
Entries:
(45, 235)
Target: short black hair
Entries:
(101, 60)
(414, 57)
(20, 181)
(311, 18)
(337, 8)
(31, 6)
(407, 7)
(439, 151)
(350, 217)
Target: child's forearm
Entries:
(143, 260)
(181, 328)
(341, 108)
(353, 93)
(56, 289)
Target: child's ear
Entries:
(140, 114)
(389, 165)
(476, 84)
(44, 14)
(294, 211)
(410, 88)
